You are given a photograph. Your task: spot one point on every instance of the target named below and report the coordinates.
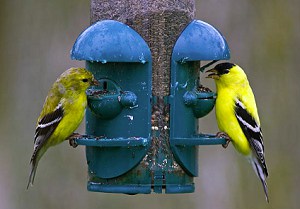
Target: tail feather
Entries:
(35, 158)
(32, 173)
(264, 183)
(262, 174)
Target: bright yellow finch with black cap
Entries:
(237, 116)
(62, 112)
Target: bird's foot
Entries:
(72, 138)
(226, 137)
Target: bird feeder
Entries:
(118, 118)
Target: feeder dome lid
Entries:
(200, 41)
(110, 41)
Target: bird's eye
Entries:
(85, 80)
(225, 71)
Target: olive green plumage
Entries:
(62, 112)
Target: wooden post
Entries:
(159, 22)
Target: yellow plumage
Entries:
(228, 93)
(237, 115)
(62, 112)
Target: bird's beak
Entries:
(213, 74)
(95, 82)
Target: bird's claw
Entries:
(226, 137)
(72, 138)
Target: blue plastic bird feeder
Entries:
(118, 117)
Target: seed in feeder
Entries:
(202, 88)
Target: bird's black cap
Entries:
(223, 68)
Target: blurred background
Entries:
(36, 38)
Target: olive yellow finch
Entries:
(62, 112)
(237, 116)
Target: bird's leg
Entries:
(72, 138)
(226, 137)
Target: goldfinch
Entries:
(237, 116)
(62, 112)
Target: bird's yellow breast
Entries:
(73, 114)
(228, 122)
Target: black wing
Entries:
(46, 127)
(252, 132)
